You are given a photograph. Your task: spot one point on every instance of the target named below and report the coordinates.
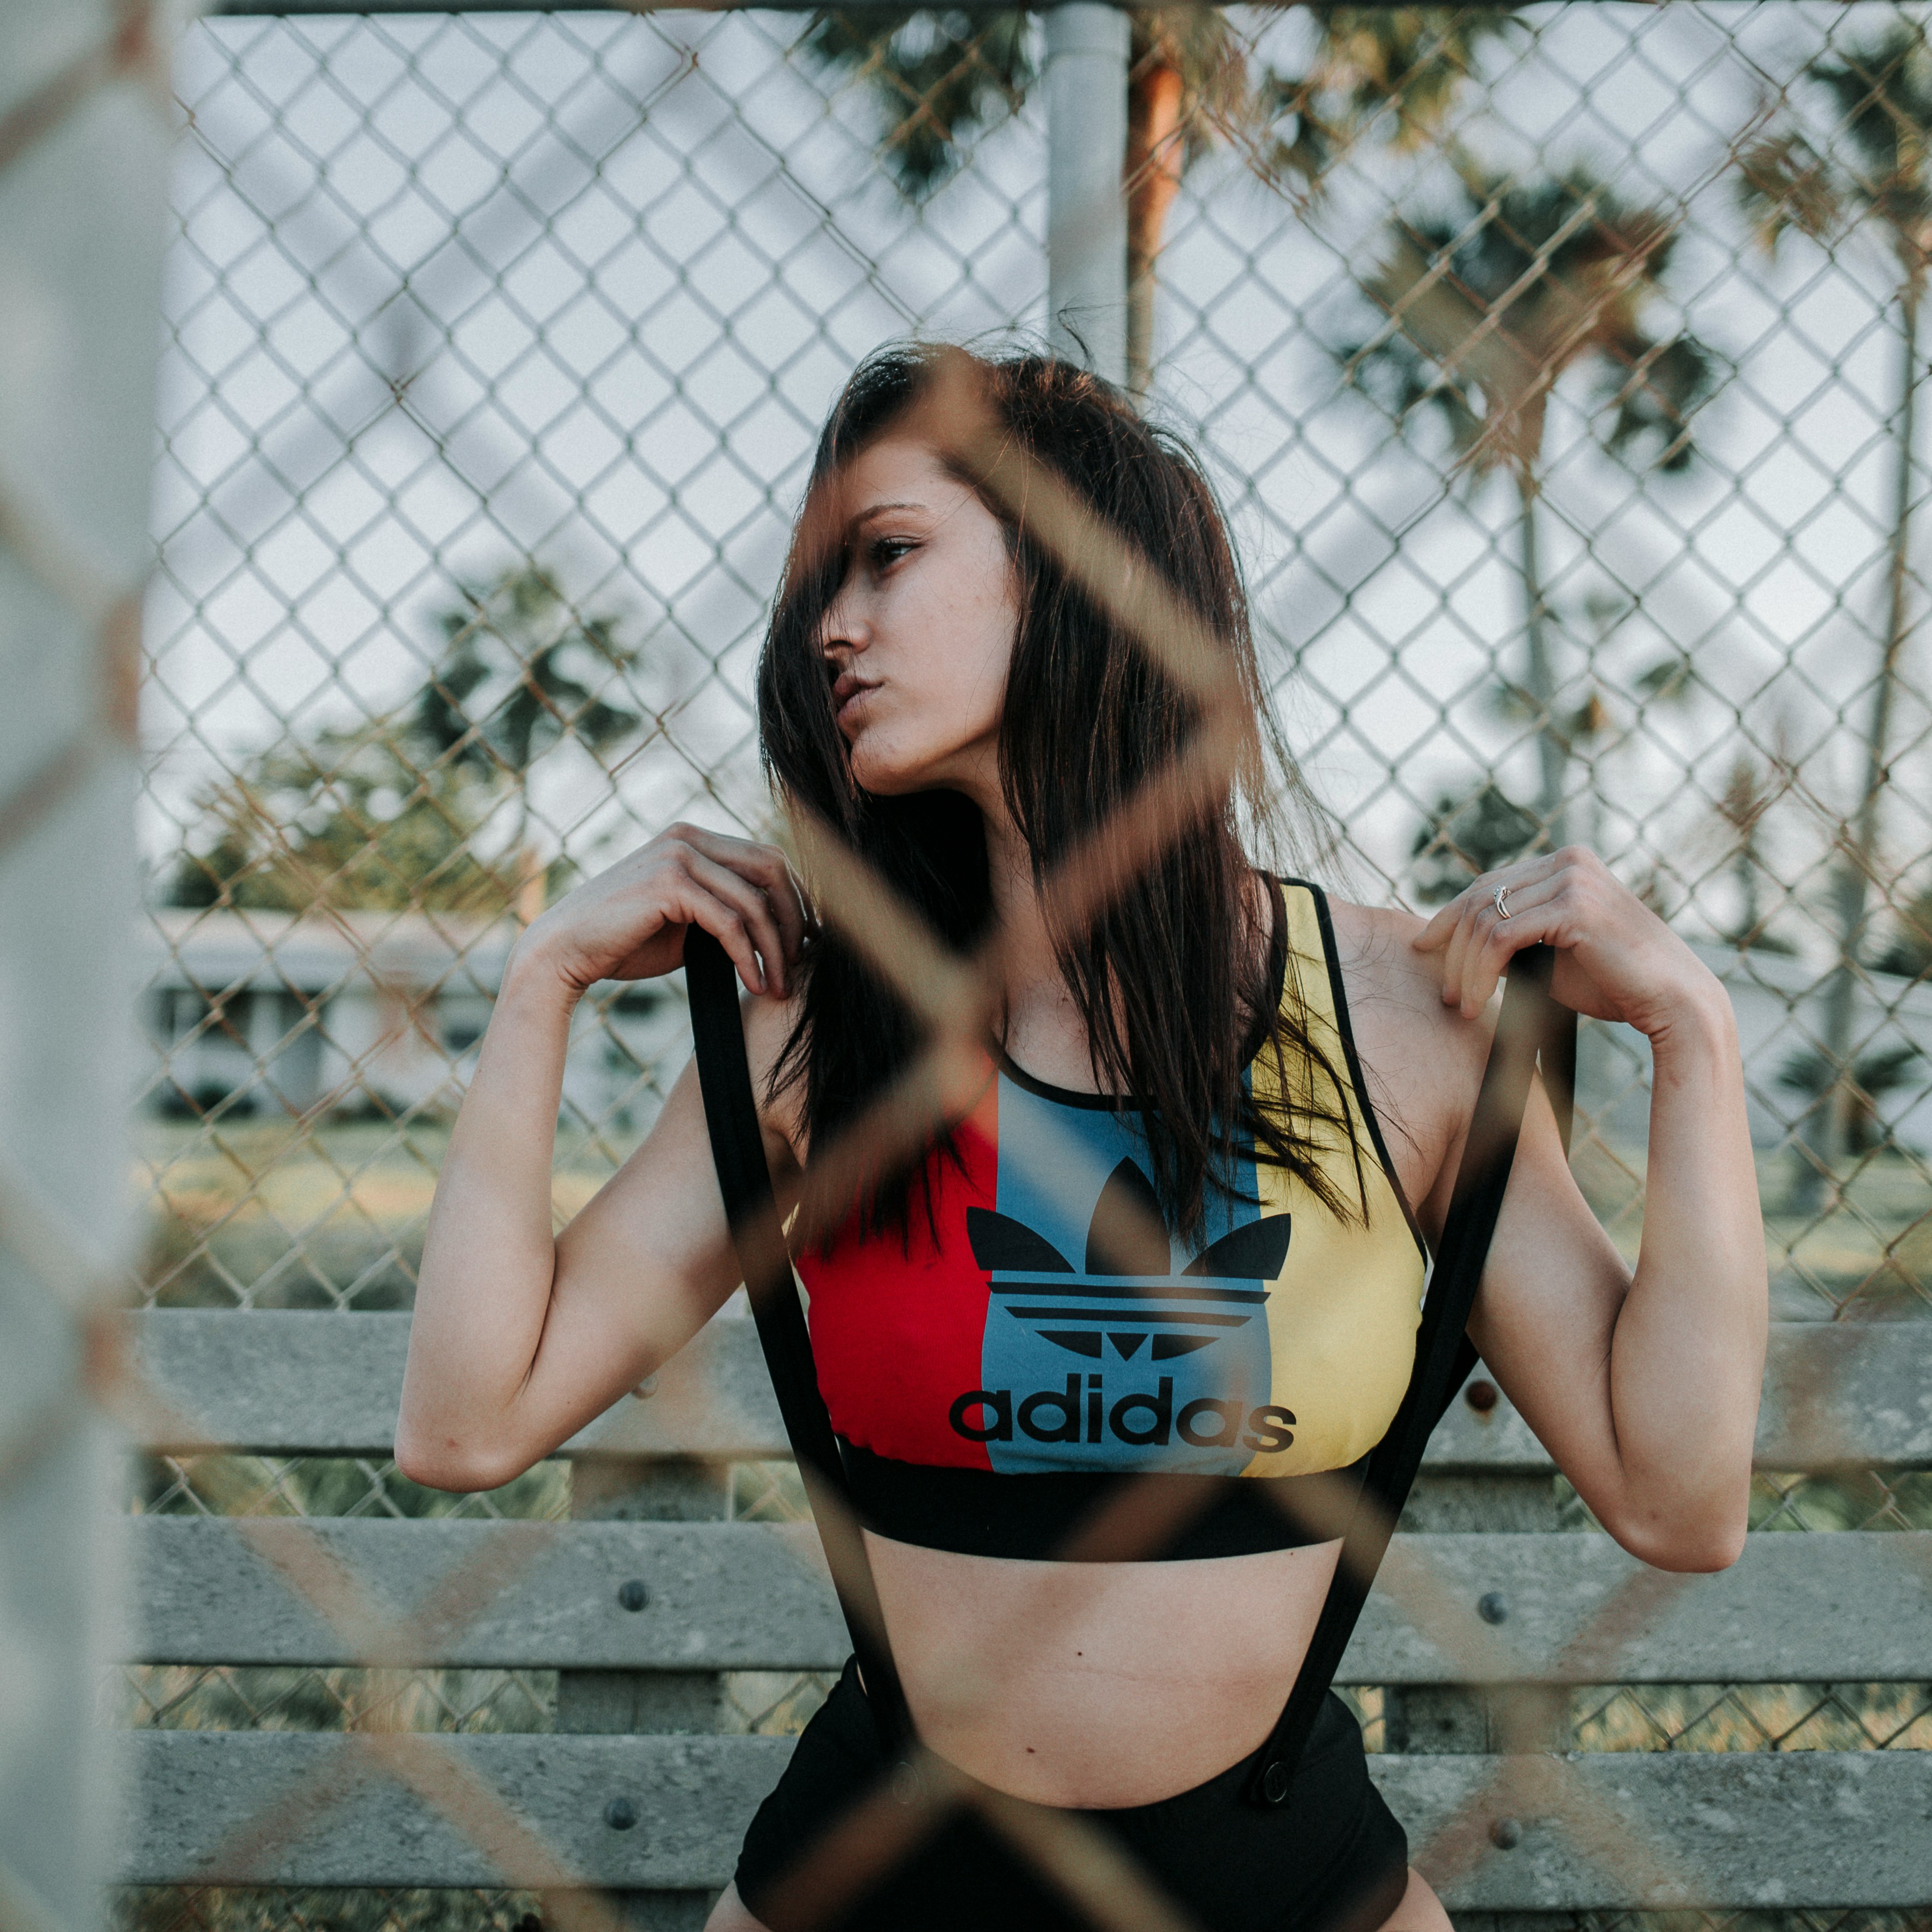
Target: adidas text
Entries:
(1142, 1420)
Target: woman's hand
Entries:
(520, 1337)
(1643, 1385)
(629, 922)
(1615, 959)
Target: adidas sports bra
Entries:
(989, 1384)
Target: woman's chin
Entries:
(887, 777)
(889, 770)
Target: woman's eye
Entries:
(886, 551)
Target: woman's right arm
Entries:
(521, 1336)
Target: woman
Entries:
(1227, 1106)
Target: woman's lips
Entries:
(847, 692)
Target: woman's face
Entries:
(920, 635)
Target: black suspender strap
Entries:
(738, 1152)
(1531, 1022)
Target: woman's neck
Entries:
(1040, 1024)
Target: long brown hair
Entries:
(1170, 975)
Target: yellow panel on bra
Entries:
(1343, 1311)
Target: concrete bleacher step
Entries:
(288, 1383)
(1711, 1829)
(646, 1606)
(1821, 1605)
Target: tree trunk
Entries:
(1830, 1127)
(1539, 676)
(1154, 158)
(531, 886)
(1749, 919)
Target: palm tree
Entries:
(519, 674)
(1910, 952)
(352, 818)
(1874, 172)
(1868, 1080)
(1465, 833)
(937, 78)
(1488, 309)
(1749, 792)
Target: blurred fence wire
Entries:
(1558, 367)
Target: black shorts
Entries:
(1333, 1858)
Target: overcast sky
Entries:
(624, 265)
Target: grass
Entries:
(276, 1214)
(243, 1213)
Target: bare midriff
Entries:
(1097, 1685)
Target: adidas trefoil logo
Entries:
(1125, 1295)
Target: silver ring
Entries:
(1502, 911)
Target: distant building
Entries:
(363, 1013)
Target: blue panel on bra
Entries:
(1102, 1351)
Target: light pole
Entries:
(1086, 205)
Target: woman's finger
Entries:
(1482, 891)
(749, 902)
(1473, 978)
(1452, 934)
(787, 902)
(1455, 956)
(1496, 940)
(690, 904)
(765, 868)
(1436, 934)
(1455, 928)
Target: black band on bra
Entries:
(1061, 1516)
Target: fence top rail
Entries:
(1836, 1396)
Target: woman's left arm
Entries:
(1645, 1388)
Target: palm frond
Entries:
(1217, 101)
(1783, 183)
(1520, 282)
(1413, 60)
(1664, 385)
(1883, 93)
(1878, 160)
(934, 79)
(1369, 61)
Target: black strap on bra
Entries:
(1531, 1022)
(745, 1181)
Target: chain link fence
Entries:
(1558, 368)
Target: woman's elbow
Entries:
(439, 1460)
(1692, 1545)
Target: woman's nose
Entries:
(845, 629)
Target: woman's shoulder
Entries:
(1425, 1060)
(1375, 943)
(1383, 972)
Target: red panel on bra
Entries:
(898, 1330)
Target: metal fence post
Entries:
(83, 164)
(1086, 208)
(689, 1702)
